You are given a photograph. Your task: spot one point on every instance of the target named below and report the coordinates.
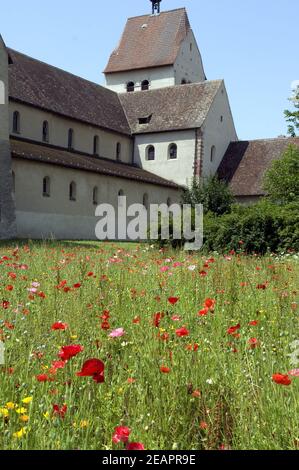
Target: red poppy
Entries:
(181, 332)
(93, 368)
(163, 336)
(281, 379)
(5, 304)
(9, 288)
(121, 434)
(59, 411)
(67, 352)
(105, 325)
(136, 320)
(196, 394)
(157, 319)
(210, 303)
(59, 326)
(12, 275)
(261, 286)
(77, 286)
(135, 446)
(173, 300)
(44, 378)
(233, 329)
(253, 343)
(164, 370)
(254, 323)
(203, 312)
(203, 425)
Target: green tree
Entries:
(292, 117)
(281, 181)
(214, 194)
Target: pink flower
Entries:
(294, 373)
(164, 269)
(118, 333)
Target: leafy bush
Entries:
(260, 228)
(281, 181)
(213, 194)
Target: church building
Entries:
(67, 144)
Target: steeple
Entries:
(156, 6)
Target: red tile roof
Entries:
(171, 108)
(42, 153)
(52, 89)
(246, 162)
(150, 41)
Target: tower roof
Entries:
(150, 41)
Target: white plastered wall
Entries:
(31, 123)
(218, 130)
(188, 65)
(158, 77)
(180, 170)
(57, 217)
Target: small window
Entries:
(118, 151)
(120, 194)
(130, 87)
(145, 120)
(213, 153)
(145, 85)
(45, 131)
(173, 152)
(151, 153)
(71, 139)
(46, 187)
(16, 122)
(13, 182)
(95, 196)
(73, 191)
(96, 146)
(169, 202)
(184, 81)
(145, 201)
(221, 118)
(191, 46)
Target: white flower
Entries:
(210, 381)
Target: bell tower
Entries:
(156, 7)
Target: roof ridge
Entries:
(161, 13)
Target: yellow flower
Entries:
(20, 433)
(21, 411)
(27, 400)
(84, 424)
(10, 405)
(4, 412)
(24, 418)
(47, 415)
(74, 337)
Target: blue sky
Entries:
(252, 44)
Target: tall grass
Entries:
(219, 391)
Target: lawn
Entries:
(192, 352)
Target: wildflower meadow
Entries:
(125, 346)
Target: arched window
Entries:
(70, 139)
(45, 131)
(145, 85)
(151, 153)
(169, 202)
(16, 122)
(96, 142)
(213, 153)
(145, 201)
(118, 151)
(73, 191)
(173, 152)
(120, 194)
(184, 81)
(46, 187)
(13, 176)
(95, 196)
(130, 87)
(2, 92)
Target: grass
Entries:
(219, 391)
